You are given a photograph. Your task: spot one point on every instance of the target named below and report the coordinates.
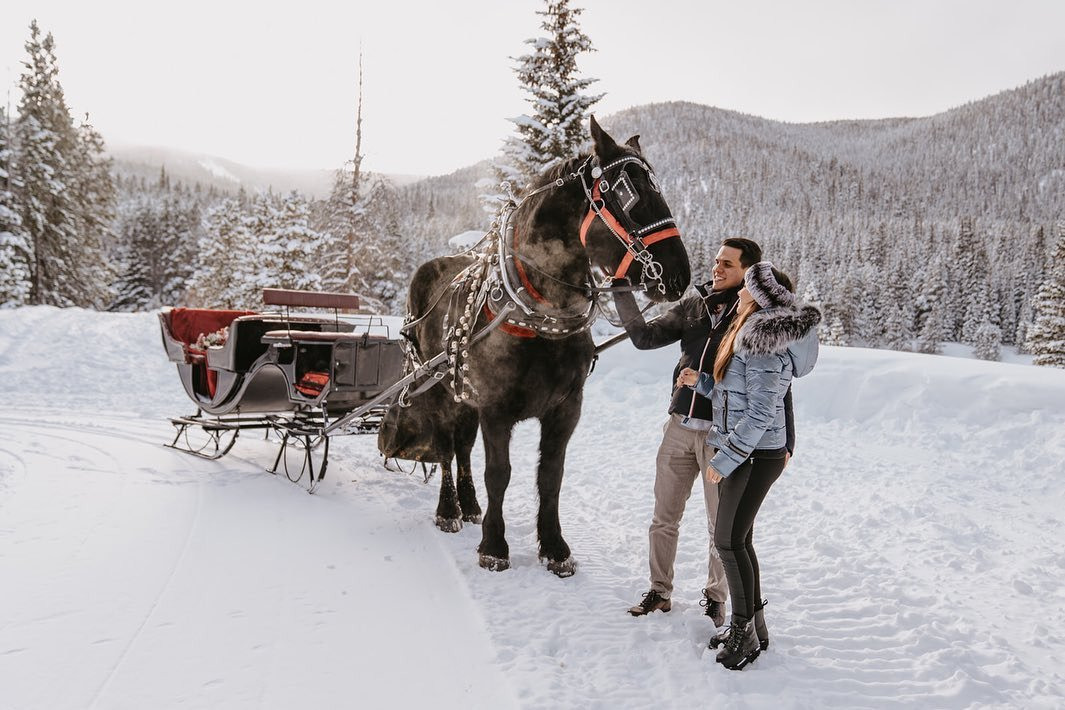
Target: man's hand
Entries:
(687, 377)
(787, 458)
(712, 475)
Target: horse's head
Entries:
(630, 232)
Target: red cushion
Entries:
(187, 324)
(312, 383)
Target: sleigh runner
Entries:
(302, 377)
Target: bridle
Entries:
(611, 198)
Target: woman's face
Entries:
(745, 298)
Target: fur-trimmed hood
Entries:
(775, 330)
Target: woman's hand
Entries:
(712, 475)
(687, 377)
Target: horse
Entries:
(515, 327)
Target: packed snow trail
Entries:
(911, 552)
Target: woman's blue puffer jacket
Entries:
(774, 345)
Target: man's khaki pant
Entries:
(682, 458)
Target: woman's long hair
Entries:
(728, 343)
(727, 346)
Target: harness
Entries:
(496, 286)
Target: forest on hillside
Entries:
(908, 232)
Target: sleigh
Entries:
(302, 377)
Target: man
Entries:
(699, 322)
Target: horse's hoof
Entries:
(448, 525)
(563, 568)
(474, 519)
(492, 563)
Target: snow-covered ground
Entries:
(912, 552)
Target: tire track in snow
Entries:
(193, 522)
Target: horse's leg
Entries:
(448, 513)
(494, 553)
(556, 427)
(465, 437)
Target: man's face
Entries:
(728, 272)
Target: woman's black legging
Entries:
(741, 495)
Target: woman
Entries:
(772, 340)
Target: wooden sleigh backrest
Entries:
(309, 299)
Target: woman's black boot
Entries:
(759, 625)
(741, 647)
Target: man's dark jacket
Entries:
(689, 322)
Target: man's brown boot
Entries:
(652, 601)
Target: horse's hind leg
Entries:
(448, 513)
(556, 427)
(465, 436)
(494, 553)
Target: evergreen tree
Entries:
(45, 135)
(548, 74)
(135, 288)
(932, 326)
(836, 335)
(15, 254)
(1046, 337)
(65, 185)
(345, 228)
(228, 274)
(988, 337)
(898, 324)
(94, 202)
(290, 246)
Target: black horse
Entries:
(514, 318)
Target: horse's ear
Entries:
(604, 144)
(634, 142)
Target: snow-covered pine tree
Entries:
(811, 296)
(94, 193)
(1031, 276)
(66, 187)
(932, 325)
(836, 335)
(898, 321)
(344, 220)
(15, 255)
(987, 339)
(179, 234)
(45, 136)
(138, 262)
(343, 223)
(290, 246)
(967, 278)
(548, 74)
(227, 273)
(387, 260)
(1046, 337)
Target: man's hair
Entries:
(750, 252)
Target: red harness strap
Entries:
(508, 328)
(529, 288)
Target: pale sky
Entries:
(273, 84)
